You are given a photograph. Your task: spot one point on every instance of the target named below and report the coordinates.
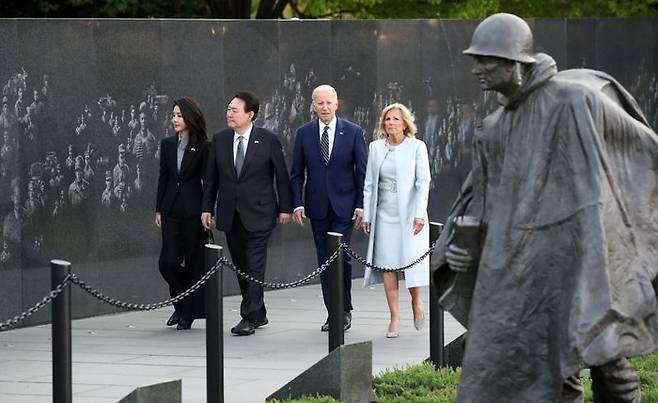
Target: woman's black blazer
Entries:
(188, 183)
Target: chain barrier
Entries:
(31, 311)
(296, 283)
(364, 262)
(73, 278)
(349, 251)
(147, 307)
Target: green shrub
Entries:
(647, 363)
(417, 383)
(309, 399)
(421, 383)
(647, 369)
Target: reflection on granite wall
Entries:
(86, 102)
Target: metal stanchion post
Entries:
(61, 333)
(437, 338)
(214, 328)
(335, 297)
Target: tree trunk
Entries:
(271, 9)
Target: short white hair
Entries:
(324, 87)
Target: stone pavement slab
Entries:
(114, 354)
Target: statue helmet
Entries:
(503, 35)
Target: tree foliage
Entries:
(105, 8)
(336, 9)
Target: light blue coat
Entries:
(413, 186)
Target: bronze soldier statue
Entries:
(564, 189)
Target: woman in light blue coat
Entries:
(395, 197)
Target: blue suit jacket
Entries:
(340, 182)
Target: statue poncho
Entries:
(564, 181)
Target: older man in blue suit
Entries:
(328, 167)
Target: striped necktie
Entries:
(324, 145)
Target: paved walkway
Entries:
(114, 354)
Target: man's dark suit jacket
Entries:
(339, 184)
(252, 193)
(187, 183)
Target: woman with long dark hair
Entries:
(183, 159)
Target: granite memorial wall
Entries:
(85, 104)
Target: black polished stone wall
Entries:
(73, 92)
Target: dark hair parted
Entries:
(193, 117)
(251, 102)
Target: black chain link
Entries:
(31, 311)
(349, 251)
(365, 262)
(223, 261)
(296, 283)
(147, 307)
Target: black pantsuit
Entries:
(182, 243)
(179, 200)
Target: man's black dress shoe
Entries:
(260, 323)
(347, 322)
(244, 328)
(173, 319)
(184, 324)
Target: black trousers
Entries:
(249, 253)
(182, 242)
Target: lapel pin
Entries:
(193, 149)
(255, 141)
(340, 132)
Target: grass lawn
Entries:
(421, 383)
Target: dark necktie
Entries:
(239, 156)
(324, 145)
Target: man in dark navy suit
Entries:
(244, 163)
(328, 167)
